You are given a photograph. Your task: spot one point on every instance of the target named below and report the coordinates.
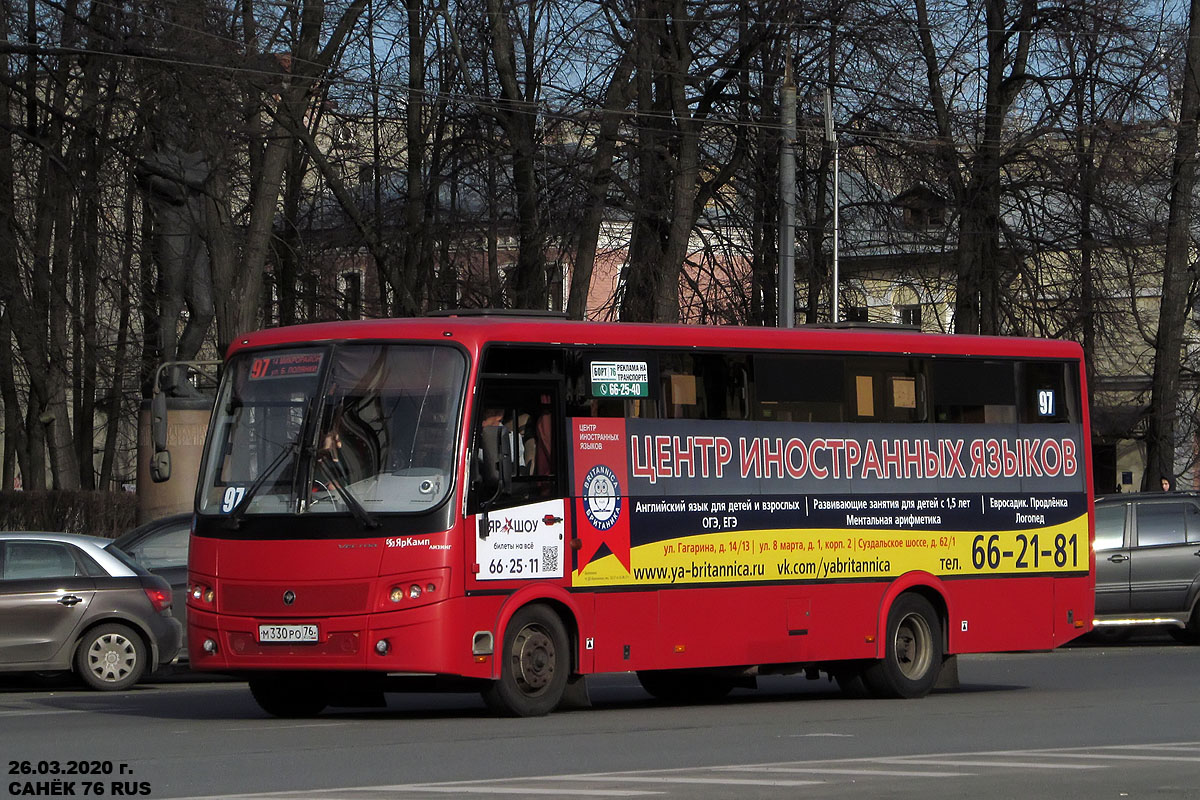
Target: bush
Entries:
(106, 514)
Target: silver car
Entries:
(161, 547)
(1148, 563)
(74, 602)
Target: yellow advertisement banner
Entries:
(766, 556)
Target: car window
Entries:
(1160, 523)
(166, 547)
(26, 560)
(1110, 527)
(1192, 513)
(124, 558)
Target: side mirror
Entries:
(158, 421)
(160, 466)
(495, 469)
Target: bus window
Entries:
(798, 388)
(516, 447)
(974, 391)
(703, 386)
(1044, 393)
(887, 389)
(588, 397)
(504, 359)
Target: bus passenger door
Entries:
(517, 491)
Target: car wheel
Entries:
(913, 655)
(535, 667)
(111, 657)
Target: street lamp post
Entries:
(831, 139)
(787, 194)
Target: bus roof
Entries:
(476, 330)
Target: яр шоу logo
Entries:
(601, 497)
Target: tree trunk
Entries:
(518, 117)
(1172, 313)
(616, 97)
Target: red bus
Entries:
(508, 504)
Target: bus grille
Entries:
(332, 598)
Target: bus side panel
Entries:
(769, 625)
(995, 615)
(1074, 607)
(738, 626)
(626, 631)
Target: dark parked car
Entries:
(161, 547)
(1148, 563)
(73, 602)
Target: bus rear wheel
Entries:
(684, 686)
(913, 651)
(289, 696)
(535, 665)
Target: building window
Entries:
(350, 289)
(924, 217)
(909, 315)
(856, 314)
(307, 298)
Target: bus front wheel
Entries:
(913, 655)
(289, 697)
(535, 665)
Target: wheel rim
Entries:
(534, 659)
(111, 657)
(913, 646)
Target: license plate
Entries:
(287, 633)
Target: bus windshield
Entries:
(346, 428)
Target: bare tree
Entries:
(1178, 272)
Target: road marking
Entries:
(1118, 756)
(867, 773)
(850, 768)
(714, 781)
(383, 792)
(958, 762)
(1189, 747)
(270, 727)
(42, 713)
(557, 792)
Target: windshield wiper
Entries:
(234, 520)
(364, 517)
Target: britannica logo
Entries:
(601, 497)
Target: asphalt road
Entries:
(1088, 722)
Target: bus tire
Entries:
(111, 657)
(684, 686)
(289, 697)
(535, 665)
(912, 656)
